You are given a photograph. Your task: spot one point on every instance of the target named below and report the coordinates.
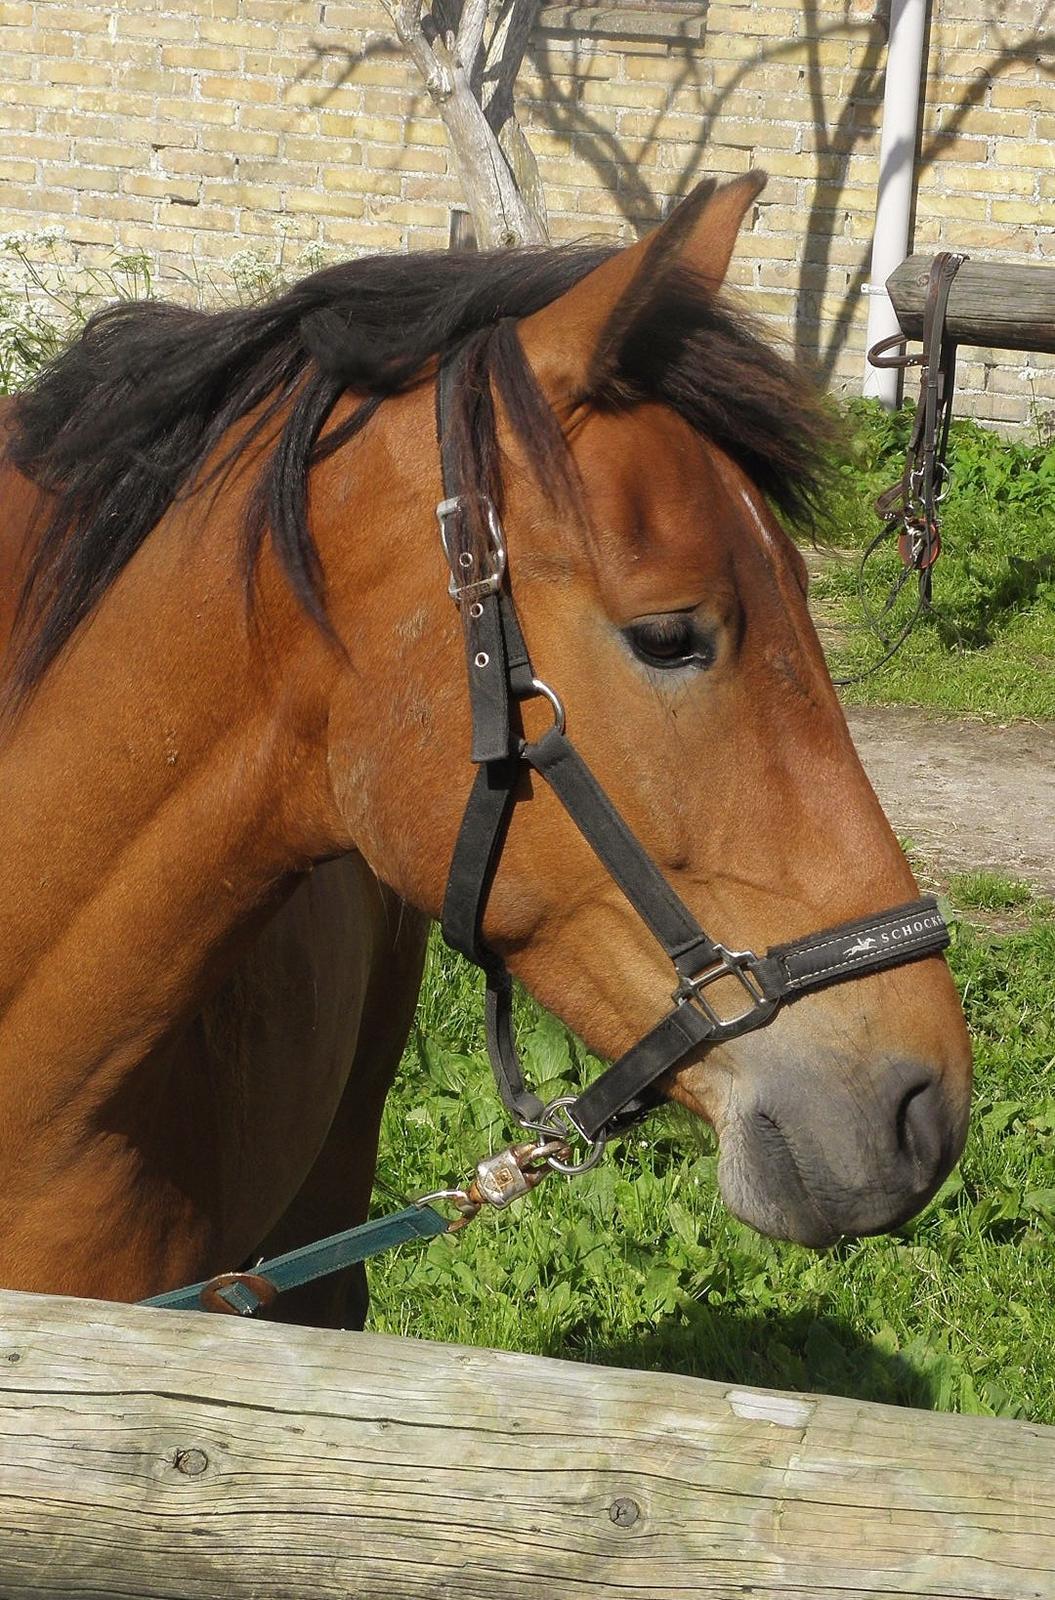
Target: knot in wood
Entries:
(191, 1462)
(623, 1512)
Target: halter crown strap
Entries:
(500, 672)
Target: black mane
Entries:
(121, 423)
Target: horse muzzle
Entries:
(814, 1164)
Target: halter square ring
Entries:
(743, 966)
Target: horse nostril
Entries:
(921, 1124)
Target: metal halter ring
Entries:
(557, 704)
(566, 1134)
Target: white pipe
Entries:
(897, 149)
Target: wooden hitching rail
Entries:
(149, 1453)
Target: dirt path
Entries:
(967, 794)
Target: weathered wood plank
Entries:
(145, 1453)
(995, 303)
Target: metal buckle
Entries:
(743, 966)
(462, 586)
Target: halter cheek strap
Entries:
(500, 673)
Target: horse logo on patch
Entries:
(861, 947)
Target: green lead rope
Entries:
(243, 1293)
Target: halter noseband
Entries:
(500, 672)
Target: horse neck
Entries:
(158, 794)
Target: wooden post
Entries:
(1006, 306)
(150, 1453)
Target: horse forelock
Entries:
(123, 422)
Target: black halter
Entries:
(500, 672)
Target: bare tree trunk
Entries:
(496, 167)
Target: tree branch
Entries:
(502, 214)
(470, 34)
(406, 19)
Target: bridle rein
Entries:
(500, 673)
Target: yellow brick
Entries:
(419, 216)
(153, 239)
(322, 203)
(123, 207)
(358, 180)
(229, 31)
(111, 155)
(447, 189)
(760, 135)
(166, 134)
(305, 147)
(262, 119)
(252, 170)
(149, 79)
(378, 130)
(429, 130)
(1017, 153)
(197, 163)
(410, 158)
(17, 171)
(377, 70)
(210, 113)
(75, 72)
(236, 141)
(19, 197)
(769, 247)
(642, 95)
(24, 42)
(963, 206)
(213, 218)
(1026, 97)
(97, 179)
(36, 146)
(201, 58)
(372, 238)
(991, 236)
(786, 164)
(14, 14)
(147, 24)
(264, 196)
(74, 19)
(149, 186)
(238, 90)
(1015, 210)
(977, 180)
(427, 238)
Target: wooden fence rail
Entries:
(1007, 305)
(145, 1453)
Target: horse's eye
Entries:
(674, 640)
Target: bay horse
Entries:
(235, 737)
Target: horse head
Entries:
(639, 442)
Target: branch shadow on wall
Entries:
(818, 341)
(560, 57)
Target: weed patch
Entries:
(639, 1264)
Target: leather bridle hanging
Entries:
(500, 673)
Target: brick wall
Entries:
(194, 131)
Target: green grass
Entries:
(989, 648)
(639, 1264)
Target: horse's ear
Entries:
(573, 344)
